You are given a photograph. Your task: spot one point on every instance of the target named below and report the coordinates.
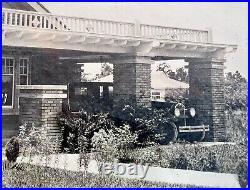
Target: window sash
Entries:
(8, 64)
(24, 70)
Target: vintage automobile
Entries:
(183, 124)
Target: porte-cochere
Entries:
(35, 41)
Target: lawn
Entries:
(25, 175)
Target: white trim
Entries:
(42, 87)
(37, 7)
(52, 96)
(13, 85)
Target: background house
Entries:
(161, 86)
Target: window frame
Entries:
(27, 75)
(13, 79)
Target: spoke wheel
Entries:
(168, 133)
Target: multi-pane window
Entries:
(7, 81)
(156, 95)
(24, 71)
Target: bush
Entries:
(35, 140)
(237, 127)
(114, 143)
(78, 129)
(145, 122)
(227, 158)
(236, 91)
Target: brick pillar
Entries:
(40, 105)
(132, 80)
(206, 80)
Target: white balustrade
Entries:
(170, 33)
(46, 21)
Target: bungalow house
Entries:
(34, 41)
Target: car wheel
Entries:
(167, 133)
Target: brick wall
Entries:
(132, 81)
(207, 93)
(40, 105)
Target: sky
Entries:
(228, 21)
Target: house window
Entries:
(24, 71)
(7, 81)
(156, 95)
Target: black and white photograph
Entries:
(125, 94)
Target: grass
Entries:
(26, 175)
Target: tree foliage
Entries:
(180, 74)
(236, 91)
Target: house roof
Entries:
(158, 81)
(26, 6)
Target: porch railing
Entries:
(28, 19)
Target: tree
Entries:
(236, 91)
(179, 74)
(164, 67)
(106, 70)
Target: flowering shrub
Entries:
(35, 140)
(114, 143)
(79, 128)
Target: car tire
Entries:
(168, 133)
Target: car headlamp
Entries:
(192, 112)
(177, 112)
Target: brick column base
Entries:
(132, 80)
(40, 105)
(206, 81)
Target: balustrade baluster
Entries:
(44, 22)
(72, 24)
(21, 20)
(10, 18)
(16, 19)
(6, 18)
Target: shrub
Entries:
(78, 129)
(236, 91)
(145, 122)
(227, 158)
(35, 140)
(237, 127)
(114, 143)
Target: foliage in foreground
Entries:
(217, 158)
(237, 127)
(36, 176)
(144, 123)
